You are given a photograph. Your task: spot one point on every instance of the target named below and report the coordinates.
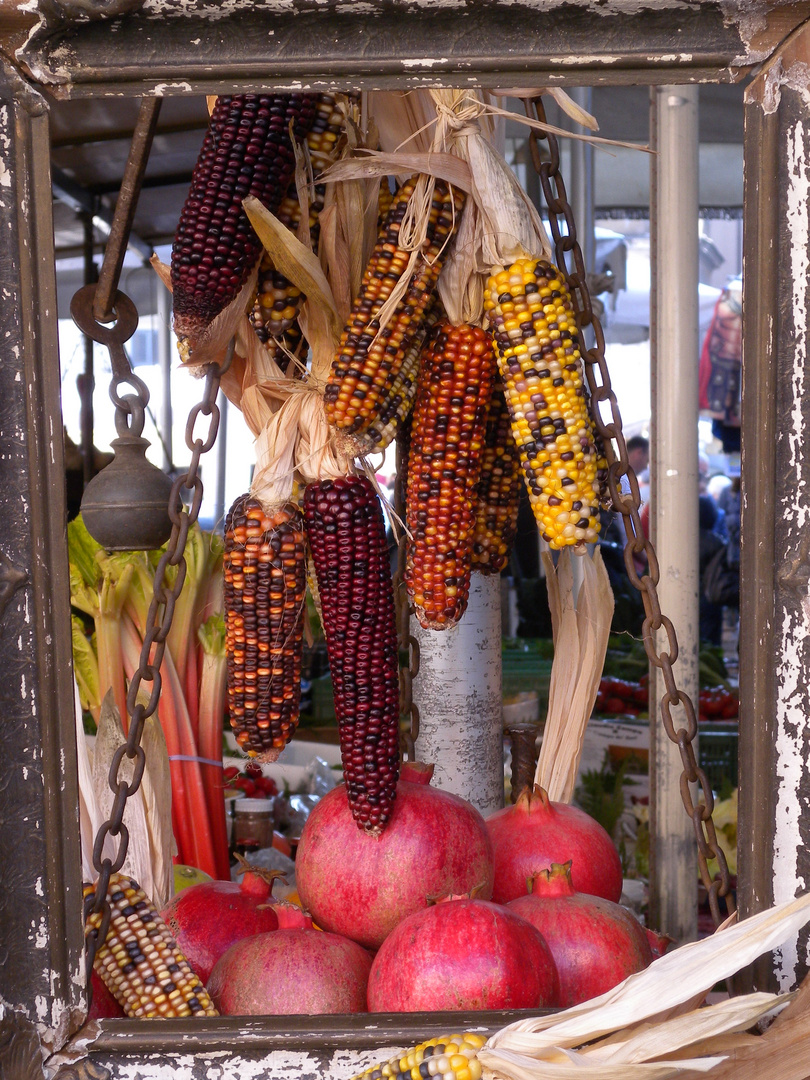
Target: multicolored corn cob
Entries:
(246, 151)
(265, 567)
(139, 961)
(275, 309)
(346, 534)
(397, 404)
(386, 199)
(456, 375)
(278, 301)
(529, 308)
(454, 1057)
(369, 359)
(498, 496)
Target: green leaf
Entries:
(85, 666)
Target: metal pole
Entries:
(86, 381)
(458, 692)
(164, 348)
(582, 198)
(674, 495)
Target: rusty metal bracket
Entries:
(125, 207)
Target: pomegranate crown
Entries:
(532, 800)
(554, 881)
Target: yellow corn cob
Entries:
(140, 962)
(395, 407)
(369, 359)
(529, 309)
(454, 1057)
(498, 498)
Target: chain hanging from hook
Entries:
(628, 505)
(109, 317)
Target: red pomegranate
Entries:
(206, 919)
(297, 971)
(659, 943)
(535, 832)
(462, 953)
(361, 886)
(595, 943)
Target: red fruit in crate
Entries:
(230, 773)
(462, 953)
(659, 943)
(104, 1006)
(535, 832)
(247, 787)
(595, 943)
(362, 885)
(291, 971)
(207, 919)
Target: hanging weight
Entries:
(126, 506)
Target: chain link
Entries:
(165, 592)
(627, 503)
(405, 639)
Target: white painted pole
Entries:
(458, 692)
(674, 494)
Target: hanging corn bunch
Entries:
(246, 151)
(454, 388)
(346, 535)
(498, 495)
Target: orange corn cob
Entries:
(457, 371)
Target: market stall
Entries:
(149, 51)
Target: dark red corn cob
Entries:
(246, 151)
(346, 534)
(265, 569)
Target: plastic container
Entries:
(253, 822)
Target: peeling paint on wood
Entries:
(792, 750)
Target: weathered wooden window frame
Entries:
(194, 49)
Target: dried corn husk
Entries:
(643, 1017)
(581, 632)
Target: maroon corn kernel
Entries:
(346, 534)
(246, 151)
(265, 571)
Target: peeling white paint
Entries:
(161, 88)
(426, 62)
(797, 77)
(791, 718)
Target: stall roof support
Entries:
(674, 494)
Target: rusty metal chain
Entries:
(405, 639)
(628, 505)
(159, 621)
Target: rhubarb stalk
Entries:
(212, 708)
